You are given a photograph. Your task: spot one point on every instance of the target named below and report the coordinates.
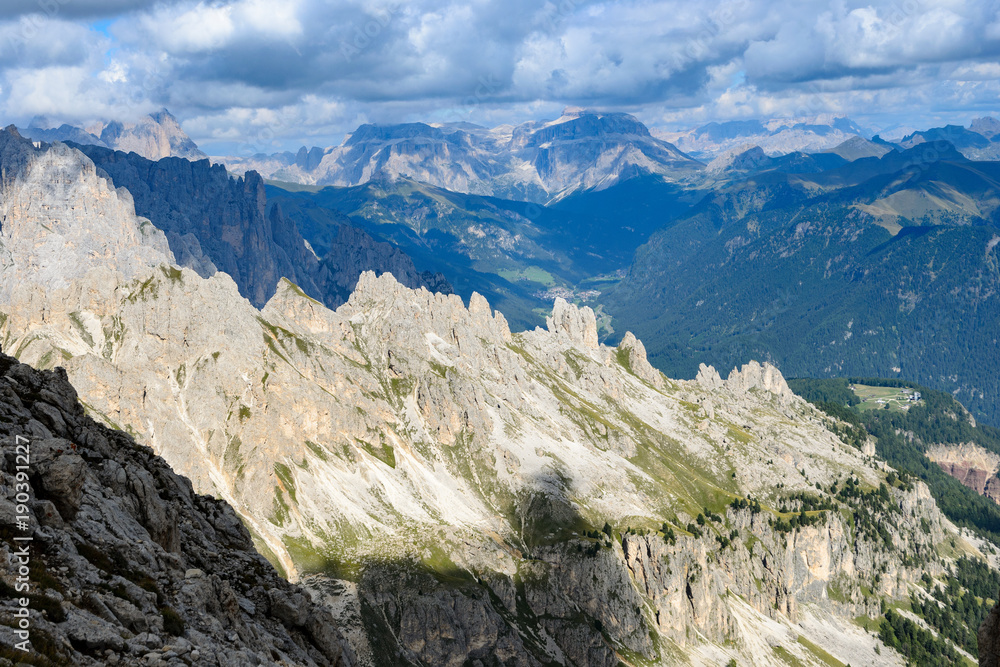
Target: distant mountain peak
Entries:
(155, 136)
(775, 136)
(988, 126)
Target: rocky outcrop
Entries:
(633, 354)
(56, 190)
(756, 376)
(579, 325)
(353, 251)
(971, 465)
(128, 564)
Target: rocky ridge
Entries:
(128, 564)
(217, 223)
(455, 490)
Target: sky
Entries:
(246, 76)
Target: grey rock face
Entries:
(56, 190)
(111, 588)
(578, 324)
(636, 361)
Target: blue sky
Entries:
(279, 75)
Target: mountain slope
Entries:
(457, 492)
(882, 267)
(128, 564)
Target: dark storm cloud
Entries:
(72, 9)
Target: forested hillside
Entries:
(883, 267)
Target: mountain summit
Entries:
(155, 136)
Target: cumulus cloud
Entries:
(312, 69)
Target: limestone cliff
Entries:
(971, 465)
(155, 136)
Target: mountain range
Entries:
(776, 136)
(448, 489)
(536, 161)
(882, 266)
(384, 383)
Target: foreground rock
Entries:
(128, 564)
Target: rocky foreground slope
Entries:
(459, 493)
(128, 564)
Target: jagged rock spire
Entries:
(580, 324)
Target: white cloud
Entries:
(222, 65)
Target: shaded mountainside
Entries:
(128, 565)
(217, 223)
(885, 266)
(457, 492)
